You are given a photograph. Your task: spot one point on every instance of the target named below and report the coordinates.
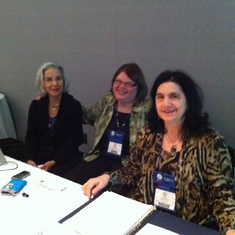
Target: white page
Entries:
(153, 229)
(109, 214)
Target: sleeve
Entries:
(32, 135)
(129, 175)
(218, 175)
(93, 112)
(77, 122)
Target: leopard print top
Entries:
(204, 183)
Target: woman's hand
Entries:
(95, 185)
(48, 165)
(230, 232)
(32, 163)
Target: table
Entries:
(51, 198)
(7, 128)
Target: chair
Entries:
(13, 148)
(232, 154)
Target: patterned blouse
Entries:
(204, 183)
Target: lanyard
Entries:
(165, 186)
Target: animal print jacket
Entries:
(204, 184)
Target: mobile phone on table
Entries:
(21, 175)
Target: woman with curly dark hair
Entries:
(180, 163)
(195, 121)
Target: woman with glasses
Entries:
(54, 130)
(116, 118)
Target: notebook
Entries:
(109, 214)
(2, 158)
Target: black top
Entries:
(63, 141)
(122, 124)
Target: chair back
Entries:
(232, 154)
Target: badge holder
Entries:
(164, 196)
(115, 143)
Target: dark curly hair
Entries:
(195, 122)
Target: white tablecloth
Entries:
(50, 199)
(7, 129)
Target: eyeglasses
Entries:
(125, 84)
(50, 80)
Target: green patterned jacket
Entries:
(99, 115)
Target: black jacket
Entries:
(63, 143)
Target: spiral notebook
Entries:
(110, 213)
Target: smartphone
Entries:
(21, 175)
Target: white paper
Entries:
(153, 229)
(109, 214)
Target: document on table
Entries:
(153, 229)
(110, 213)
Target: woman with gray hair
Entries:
(54, 132)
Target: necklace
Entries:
(174, 146)
(124, 123)
(54, 107)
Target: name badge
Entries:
(164, 191)
(115, 143)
